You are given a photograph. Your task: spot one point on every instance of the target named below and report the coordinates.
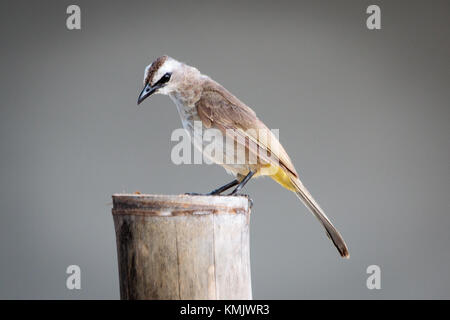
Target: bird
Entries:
(199, 98)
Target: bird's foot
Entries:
(237, 194)
(197, 194)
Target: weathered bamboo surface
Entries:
(182, 246)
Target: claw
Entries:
(198, 194)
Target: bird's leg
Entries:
(224, 188)
(243, 182)
(215, 191)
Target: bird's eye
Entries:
(165, 78)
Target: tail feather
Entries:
(314, 207)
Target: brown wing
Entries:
(218, 108)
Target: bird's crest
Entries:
(151, 70)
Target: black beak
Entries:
(147, 92)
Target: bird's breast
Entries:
(188, 114)
(192, 123)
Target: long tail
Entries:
(314, 207)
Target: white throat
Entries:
(188, 114)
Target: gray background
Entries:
(363, 114)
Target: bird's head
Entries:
(162, 76)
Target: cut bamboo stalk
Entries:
(182, 246)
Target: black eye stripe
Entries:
(165, 78)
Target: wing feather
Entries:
(218, 108)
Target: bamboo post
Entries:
(182, 246)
